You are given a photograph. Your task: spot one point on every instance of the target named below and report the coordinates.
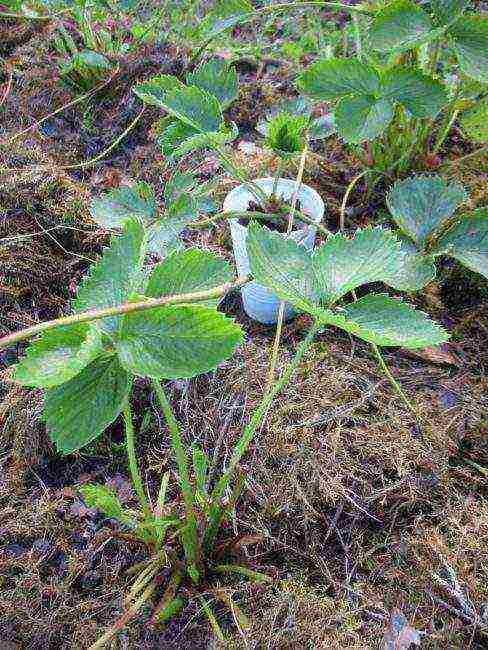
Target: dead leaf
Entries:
(400, 635)
(441, 354)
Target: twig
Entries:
(8, 84)
(126, 308)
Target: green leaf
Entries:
(421, 95)
(106, 500)
(470, 43)
(364, 118)
(58, 355)
(342, 265)
(176, 342)
(179, 183)
(467, 242)
(415, 271)
(114, 208)
(474, 122)
(447, 11)
(208, 140)
(189, 271)
(115, 277)
(400, 25)
(163, 234)
(216, 78)
(194, 107)
(421, 205)
(330, 79)
(225, 15)
(154, 91)
(286, 134)
(281, 265)
(385, 321)
(80, 410)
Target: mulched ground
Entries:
(354, 506)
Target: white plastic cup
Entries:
(260, 303)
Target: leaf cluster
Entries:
(88, 369)
(195, 109)
(424, 208)
(317, 282)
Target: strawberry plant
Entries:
(183, 200)
(424, 208)
(123, 326)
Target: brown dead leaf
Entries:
(441, 354)
(399, 635)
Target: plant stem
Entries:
(126, 308)
(350, 187)
(281, 310)
(216, 511)
(133, 467)
(338, 6)
(391, 378)
(445, 131)
(279, 170)
(255, 190)
(178, 447)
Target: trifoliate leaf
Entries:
(58, 355)
(360, 119)
(330, 79)
(154, 90)
(115, 277)
(218, 79)
(421, 95)
(189, 271)
(385, 321)
(114, 208)
(401, 25)
(467, 242)
(342, 264)
(447, 11)
(415, 270)
(163, 233)
(474, 122)
(176, 342)
(80, 410)
(421, 205)
(194, 107)
(470, 43)
(281, 265)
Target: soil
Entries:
(358, 509)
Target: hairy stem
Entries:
(217, 510)
(133, 467)
(391, 378)
(126, 308)
(281, 311)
